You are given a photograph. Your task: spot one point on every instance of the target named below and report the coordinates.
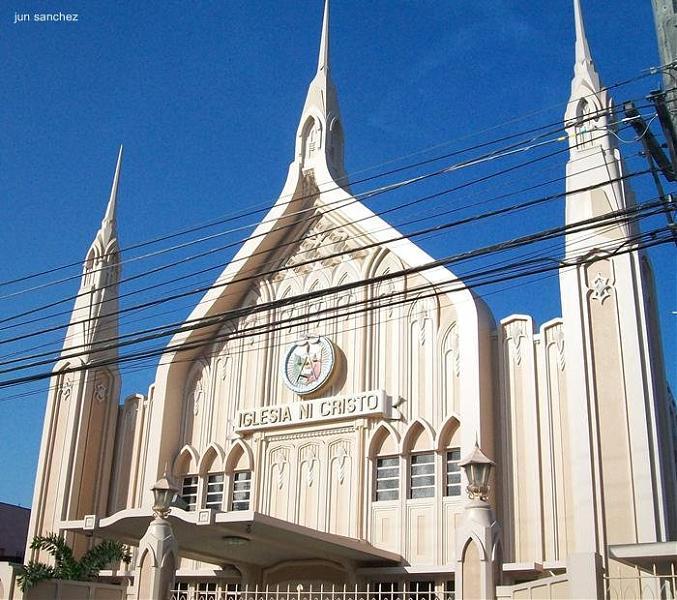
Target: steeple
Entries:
(582, 49)
(319, 142)
(323, 58)
(594, 156)
(589, 107)
(97, 302)
(74, 470)
(108, 228)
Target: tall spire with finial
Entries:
(320, 135)
(584, 67)
(582, 49)
(323, 58)
(109, 223)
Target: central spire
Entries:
(319, 142)
(582, 49)
(109, 222)
(584, 67)
(323, 58)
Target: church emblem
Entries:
(308, 364)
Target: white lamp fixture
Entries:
(163, 493)
(477, 469)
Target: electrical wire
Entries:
(141, 366)
(275, 271)
(266, 206)
(209, 322)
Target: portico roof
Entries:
(237, 537)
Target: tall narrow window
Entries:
(242, 481)
(189, 491)
(387, 478)
(422, 475)
(453, 472)
(214, 491)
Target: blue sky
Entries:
(206, 98)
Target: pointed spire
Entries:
(319, 135)
(582, 49)
(323, 58)
(112, 202)
(109, 223)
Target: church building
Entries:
(335, 397)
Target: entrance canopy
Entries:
(237, 537)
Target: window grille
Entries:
(387, 478)
(453, 472)
(242, 481)
(189, 491)
(215, 491)
(181, 590)
(422, 479)
(207, 591)
(421, 590)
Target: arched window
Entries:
(213, 479)
(419, 444)
(185, 472)
(387, 466)
(449, 444)
(584, 125)
(239, 470)
(312, 138)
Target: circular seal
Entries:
(308, 364)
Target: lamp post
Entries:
(158, 551)
(477, 558)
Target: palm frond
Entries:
(33, 573)
(102, 554)
(65, 565)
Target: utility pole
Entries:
(665, 17)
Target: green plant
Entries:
(66, 566)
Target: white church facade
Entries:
(316, 409)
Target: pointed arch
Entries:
(451, 425)
(212, 459)
(186, 461)
(170, 554)
(148, 553)
(311, 137)
(417, 428)
(382, 260)
(379, 436)
(345, 270)
(236, 453)
(473, 539)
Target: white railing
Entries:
(309, 592)
(633, 583)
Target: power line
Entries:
(439, 227)
(286, 243)
(340, 203)
(209, 322)
(61, 341)
(140, 366)
(266, 206)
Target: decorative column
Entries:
(158, 550)
(477, 559)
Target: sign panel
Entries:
(374, 403)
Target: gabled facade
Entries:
(316, 436)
